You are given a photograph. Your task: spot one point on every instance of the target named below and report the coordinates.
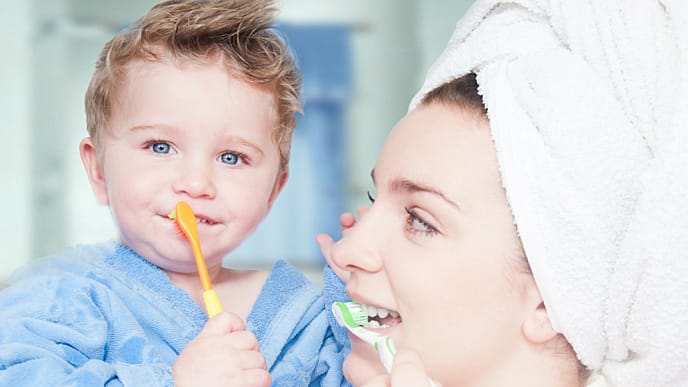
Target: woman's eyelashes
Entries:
(415, 224)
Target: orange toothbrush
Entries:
(186, 222)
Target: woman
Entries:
(439, 248)
(578, 265)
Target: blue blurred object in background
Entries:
(313, 198)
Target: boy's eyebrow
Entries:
(153, 126)
(409, 186)
(245, 143)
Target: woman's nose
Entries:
(359, 248)
(195, 180)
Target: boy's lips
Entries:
(202, 219)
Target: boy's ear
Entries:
(537, 327)
(94, 171)
(279, 184)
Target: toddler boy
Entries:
(193, 102)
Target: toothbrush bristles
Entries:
(350, 313)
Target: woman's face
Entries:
(439, 248)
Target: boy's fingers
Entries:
(408, 370)
(242, 340)
(252, 360)
(222, 323)
(347, 220)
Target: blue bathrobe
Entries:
(102, 315)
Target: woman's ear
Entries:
(94, 170)
(537, 327)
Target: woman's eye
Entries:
(160, 147)
(230, 158)
(370, 197)
(416, 224)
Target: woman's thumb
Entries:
(408, 370)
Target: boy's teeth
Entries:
(394, 313)
(382, 312)
(372, 311)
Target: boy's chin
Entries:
(362, 364)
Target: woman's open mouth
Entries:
(379, 317)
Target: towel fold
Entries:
(588, 103)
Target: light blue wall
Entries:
(15, 137)
(394, 44)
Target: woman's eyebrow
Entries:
(409, 186)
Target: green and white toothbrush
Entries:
(352, 315)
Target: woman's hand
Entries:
(407, 371)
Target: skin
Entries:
(195, 133)
(439, 246)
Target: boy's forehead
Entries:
(138, 68)
(208, 87)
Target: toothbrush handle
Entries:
(212, 302)
(387, 351)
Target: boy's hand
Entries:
(325, 242)
(407, 371)
(223, 354)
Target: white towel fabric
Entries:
(588, 107)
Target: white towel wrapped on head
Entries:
(588, 108)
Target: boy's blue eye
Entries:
(229, 158)
(160, 147)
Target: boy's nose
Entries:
(359, 249)
(195, 181)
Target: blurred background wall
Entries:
(362, 62)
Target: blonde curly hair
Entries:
(240, 32)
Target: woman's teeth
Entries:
(379, 317)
